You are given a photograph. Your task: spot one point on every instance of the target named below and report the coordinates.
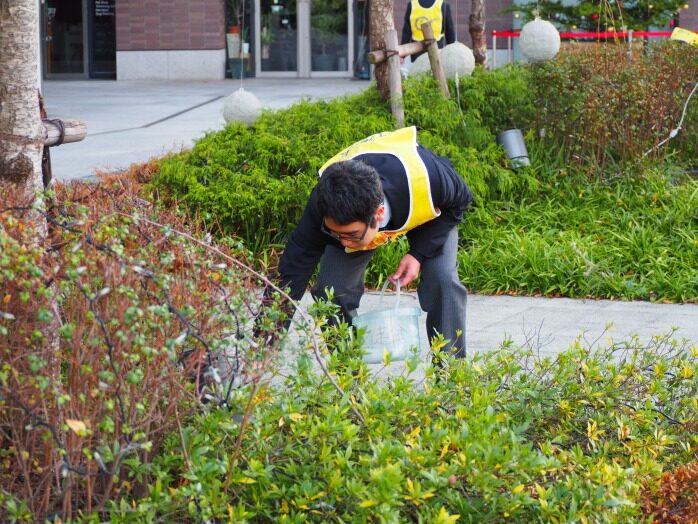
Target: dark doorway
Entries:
(64, 38)
(79, 38)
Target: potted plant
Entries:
(234, 17)
(245, 43)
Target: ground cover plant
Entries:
(631, 239)
(504, 437)
(594, 216)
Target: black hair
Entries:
(349, 191)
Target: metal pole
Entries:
(630, 41)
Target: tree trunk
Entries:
(477, 31)
(380, 14)
(22, 133)
(21, 130)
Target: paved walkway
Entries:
(133, 121)
(129, 121)
(552, 325)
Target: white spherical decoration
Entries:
(420, 66)
(457, 59)
(241, 106)
(539, 40)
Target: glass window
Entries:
(64, 37)
(278, 35)
(328, 34)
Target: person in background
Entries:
(370, 194)
(420, 11)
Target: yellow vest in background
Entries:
(420, 14)
(402, 144)
(684, 35)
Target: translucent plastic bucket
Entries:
(394, 330)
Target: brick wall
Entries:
(156, 25)
(460, 9)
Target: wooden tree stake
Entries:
(410, 48)
(73, 131)
(434, 58)
(394, 78)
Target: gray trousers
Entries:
(441, 294)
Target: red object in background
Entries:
(594, 16)
(599, 35)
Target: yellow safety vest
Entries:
(420, 14)
(684, 35)
(402, 144)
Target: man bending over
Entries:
(370, 194)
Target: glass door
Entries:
(329, 35)
(64, 38)
(303, 38)
(277, 37)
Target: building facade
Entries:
(212, 39)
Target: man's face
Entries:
(354, 235)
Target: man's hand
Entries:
(407, 270)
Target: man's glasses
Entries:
(343, 236)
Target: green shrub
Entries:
(105, 333)
(254, 181)
(605, 108)
(507, 436)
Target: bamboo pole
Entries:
(73, 131)
(394, 78)
(434, 58)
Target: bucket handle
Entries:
(397, 288)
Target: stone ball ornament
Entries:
(420, 66)
(456, 59)
(241, 106)
(539, 40)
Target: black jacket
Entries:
(449, 193)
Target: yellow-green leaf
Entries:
(77, 426)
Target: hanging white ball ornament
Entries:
(241, 106)
(539, 40)
(456, 59)
(420, 65)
